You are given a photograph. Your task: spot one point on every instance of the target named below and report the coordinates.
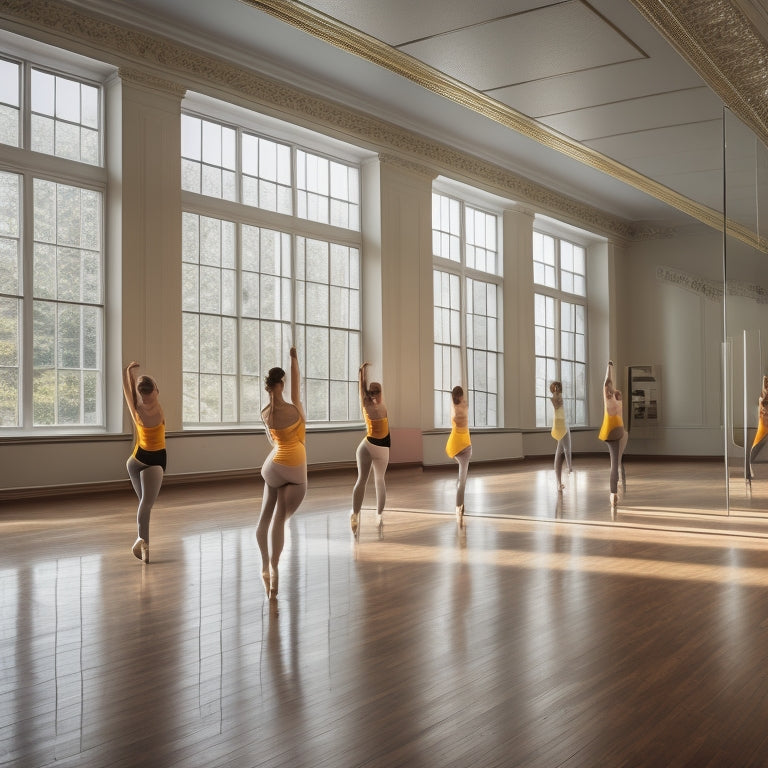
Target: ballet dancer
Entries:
(459, 446)
(612, 431)
(284, 470)
(762, 426)
(146, 465)
(373, 450)
(561, 433)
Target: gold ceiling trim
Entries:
(371, 49)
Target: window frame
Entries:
(252, 124)
(576, 407)
(467, 197)
(31, 166)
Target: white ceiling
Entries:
(596, 72)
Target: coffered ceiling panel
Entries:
(595, 87)
(697, 170)
(675, 108)
(397, 22)
(512, 50)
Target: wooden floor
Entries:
(525, 639)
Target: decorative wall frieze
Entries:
(644, 230)
(711, 289)
(747, 291)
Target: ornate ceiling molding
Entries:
(720, 42)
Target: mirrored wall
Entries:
(745, 350)
(697, 319)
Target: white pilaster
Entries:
(151, 233)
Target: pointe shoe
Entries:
(273, 580)
(614, 499)
(266, 580)
(379, 521)
(354, 521)
(460, 515)
(140, 550)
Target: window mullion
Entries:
(463, 352)
(27, 287)
(238, 315)
(26, 111)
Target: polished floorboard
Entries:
(546, 632)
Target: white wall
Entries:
(677, 324)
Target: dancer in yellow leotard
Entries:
(762, 425)
(459, 446)
(373, 450)
(612, 430)
(560, 432)
(146, 465)
(284, 470)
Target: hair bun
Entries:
(275, 376)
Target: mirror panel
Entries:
(746, 317)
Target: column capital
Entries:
(151, 82)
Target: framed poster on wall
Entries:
(643, 382)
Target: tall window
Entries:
(51, 251)
(467, 308)
(560, 319)
(274, 262)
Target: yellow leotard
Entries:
(458, 440)
(150, 438)
(559, 427)
(289, 443)
(376, 428)
(762, 431)
(150, 444)
(613, 427)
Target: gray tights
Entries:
(562, 456)
(146, 481)
(462, 459)
(277, 505)
(616, 449)
(376, 456)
